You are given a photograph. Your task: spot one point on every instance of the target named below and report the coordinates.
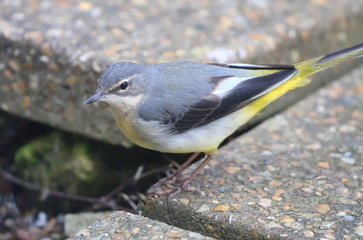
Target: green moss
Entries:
(67, 163)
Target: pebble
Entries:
(184, 201)
(322, 208)
(203, 208)
(309, 234)
(221, 208)
(359, 230)
(265, 202)
(326, 225)
(173, 234)
(349, 218)
(287, 219)
(235, 206)
(348, 160)
(324, 165)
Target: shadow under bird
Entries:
(184, 107)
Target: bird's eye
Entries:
(124, 85)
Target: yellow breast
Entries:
(127, 126)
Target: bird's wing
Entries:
(232, 93)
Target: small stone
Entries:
(44, 58)
(173, 234)
(184, 201)
(168, 54)
(231, 170)
(296, 226)
(209, 228)
(314, 146)
(347, 129)
(71, 80)
(135, 230)
(274, 183)
(359, 230)
(7, 74)
(278, 192)
(84, 6)
(265, 202)
(25, 102)
(117, 236)
(322, 208)
(274, 225)
(127, 235)
(19, 86)
(221, 208)
(309, 189)
(309, 234)
(45, 50)
(329, 236)
(235, 206)
(327, 225)
(358, 195)
(341, 214)
(349, 218)
(287, 219)
(357, 115)
(219, 181)
(14, 65)
(348, 160)
(203, 208)
(324, 165)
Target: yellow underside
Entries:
(253, 108)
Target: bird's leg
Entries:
(196, 171)
(185, 184)
(177, 172)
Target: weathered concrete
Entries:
(296, 176)
(122, 225)
(73, 223)
(52, 52)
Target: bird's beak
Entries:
(97, 96)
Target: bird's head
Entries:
(120, 85)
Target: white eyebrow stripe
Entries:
(116, 85)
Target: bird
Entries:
(189, 107)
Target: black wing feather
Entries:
(197, 113)
(213, 107)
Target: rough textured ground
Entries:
(298, 175)
(52, 52)
(122, 225)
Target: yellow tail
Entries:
(314, 65)
(305, 69)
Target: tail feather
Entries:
(317, 64)
(300, 79)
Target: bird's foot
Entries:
(177, 175)
(171, 191)
(174, 192)
(169, 180)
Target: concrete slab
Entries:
(123, 225)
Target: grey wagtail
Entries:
(184, 107)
